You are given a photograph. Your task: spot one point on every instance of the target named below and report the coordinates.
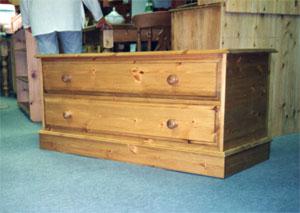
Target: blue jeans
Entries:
(68, 41)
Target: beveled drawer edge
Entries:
(138, 99)
(213, 97)
(81, 131)
(132, 143)
(127, 135)
(150, 55)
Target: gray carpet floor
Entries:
(34, 180)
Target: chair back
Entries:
(156, 26)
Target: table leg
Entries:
(4, 57)
(107, 40)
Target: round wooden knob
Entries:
(172, 124)
(66, 78)
(172, 79)
(67, 114)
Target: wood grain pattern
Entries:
(34, 78)
(283, 7)
(20, 67)
(279, 32)
(134, 77)
(254, 30)
(187, 23)
(246, 99)
(22, 91)
(180, 131)
(168, 159)
(246, 159)
(90, 115)
(27, 67)
(296, 94)
(145, 141)
(19, 52)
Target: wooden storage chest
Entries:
(203, 112)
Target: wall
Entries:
(137, 6)
(280, 32)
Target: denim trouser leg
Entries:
(71, 41)
(47, 43)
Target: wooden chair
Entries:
(157, 21)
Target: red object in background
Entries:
(4, 2)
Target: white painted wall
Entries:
(137, 6)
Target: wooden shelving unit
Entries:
(219, 24)
(27, 74)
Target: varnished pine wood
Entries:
(164, 158)
(181, 54)
(243, 25)
(194, 122)
(155, 156)
(27, 66)
(282, 7)
(147, 141)
(34, 78)
(246, 98)
(245, 159)
(135, 77)
(121, 123)
(186, 25)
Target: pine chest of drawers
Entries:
(203, 112)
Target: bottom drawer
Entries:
(178, 121)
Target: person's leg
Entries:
(71, 41)
(47, 43)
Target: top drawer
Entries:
(163, 78)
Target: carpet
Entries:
(34, 180)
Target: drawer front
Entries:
(189, 122)
(152, 78)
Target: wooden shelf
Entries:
(28, 89)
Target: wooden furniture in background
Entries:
(148, 22)
(203, 112)
(4, 65)
(27, 75)
(251, 24)
(94, 41)
(16, 24)
(124, 9)
(20, 62)
(283, 7)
